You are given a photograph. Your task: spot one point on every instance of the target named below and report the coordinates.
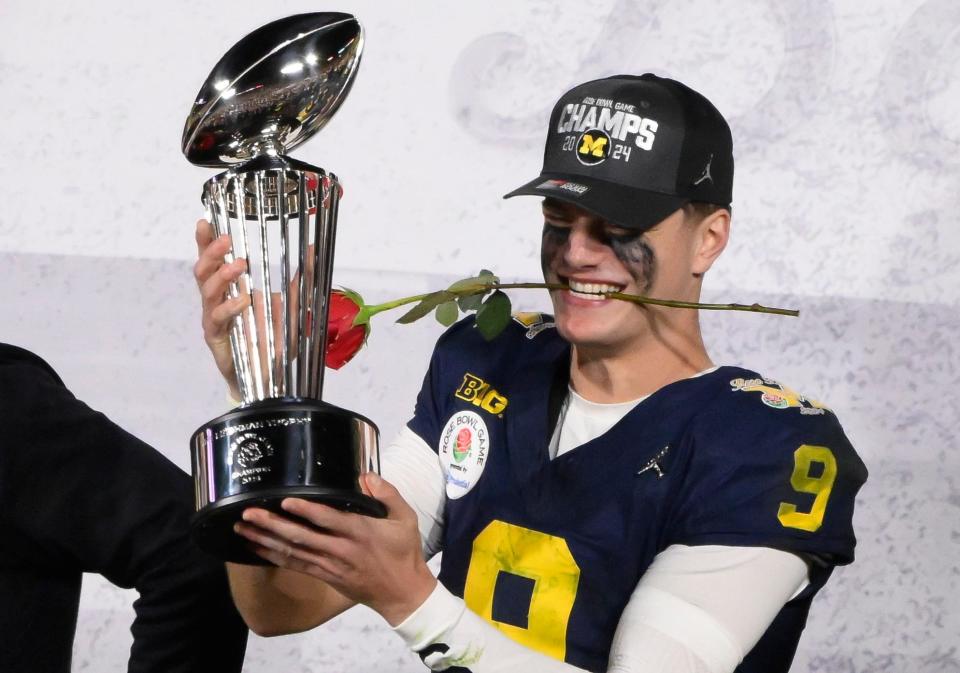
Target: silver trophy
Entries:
(269, 93)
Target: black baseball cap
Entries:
(634, 149)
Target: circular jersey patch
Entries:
(464, 444)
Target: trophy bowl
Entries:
(274, 89)
(269, 93)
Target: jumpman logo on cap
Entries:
(706, 173)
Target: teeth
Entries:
(593, 291)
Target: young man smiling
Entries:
(630, 506)
(648, 347)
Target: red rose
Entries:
(344, 339)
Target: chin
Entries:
(600, 328)
(583, 332)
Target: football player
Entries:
(606, 498)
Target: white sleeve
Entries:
(696, 610)
(414, 469)
(715, 601)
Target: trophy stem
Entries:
(277, 215)
(246, 285)
(315, 308)
(271, 358)
(285, 290)
(327, 225)
(220, 218)
(318, 309)
(304, 221)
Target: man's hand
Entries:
(377, 562)
(213, 278)
(219, 310)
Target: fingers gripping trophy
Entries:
(269, 93)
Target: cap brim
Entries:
(624, 206)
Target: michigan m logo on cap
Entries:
(593, 147)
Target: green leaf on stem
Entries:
(426, 305)
(487, 276)
(471, 302)
(447, 313)
(471, 291)
(467, 284)
(494, 315)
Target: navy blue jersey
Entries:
(549, 551)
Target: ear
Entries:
(713, 234)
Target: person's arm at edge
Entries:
(121, 510)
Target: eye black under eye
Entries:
(622, 235)
(555, 229)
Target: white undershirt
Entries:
(582, 420)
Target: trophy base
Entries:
(255, 456)
(212, 527)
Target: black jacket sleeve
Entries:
(80, 493)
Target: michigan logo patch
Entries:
(593, 147)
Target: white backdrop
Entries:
(847, 141)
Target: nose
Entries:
(583, 249)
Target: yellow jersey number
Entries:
(802, 482)
(543, 558)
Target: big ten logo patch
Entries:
(480, 394)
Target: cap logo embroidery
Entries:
(575, 188)
(617, 120)
(706, 173)
(593, 146)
